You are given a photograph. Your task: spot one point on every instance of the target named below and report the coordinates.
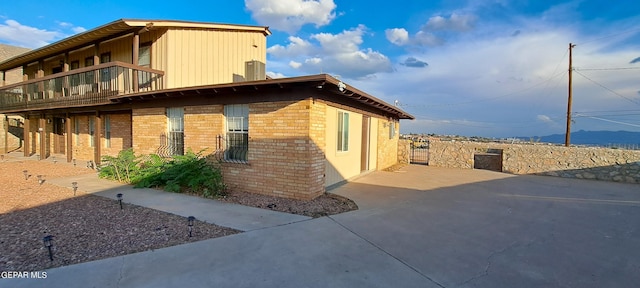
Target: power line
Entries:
(611, 35)
(608, 89)
(612, 121)
(607, 69)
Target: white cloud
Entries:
(15, 33)
(397, 36)
(275, 75)
(290, 15)
(296, 47)
(294, 64)
(339, 54)
(455, 22)
(434, 31)
(78, 29)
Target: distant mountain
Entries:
(599, 138)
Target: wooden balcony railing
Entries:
(94, 85)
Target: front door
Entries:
(58, 136)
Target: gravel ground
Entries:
(84, 227)
(87, 227)
(326, 204)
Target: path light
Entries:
(40, 179)
(26, 174)
(74, 185)
(190, 220)
(54, 160)
(48, 242)
(74, 162)
(120, 199)
(2, 157)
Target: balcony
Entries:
(88, 86)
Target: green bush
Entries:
(181, 173)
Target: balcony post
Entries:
(40, 74)
(42, 129)
(65, 68)
(135, 57)
(25, 77)
(26, 134)
(67, 129)
(97, 138)
(96, 61)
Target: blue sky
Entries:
(468, 67)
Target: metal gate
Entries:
(419, 152)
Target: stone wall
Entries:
(570, 162)
(404, 148)
(387, 144)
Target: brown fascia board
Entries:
(319, 81)
(116, 28)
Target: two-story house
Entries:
(166, 86)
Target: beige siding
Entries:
(342, 165)
(200, 57)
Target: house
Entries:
(167, 86)
(12, 134)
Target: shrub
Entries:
(182, 173)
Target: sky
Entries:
(495, 68)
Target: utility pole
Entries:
(567, 137)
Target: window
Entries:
(105, 73)
(392, 129)
(175, 131)
(237, 142)
(144, 60)
(107, 131)
(92, 130)
(343, 131)
(75, 78)
(144, 55)
(89, 77)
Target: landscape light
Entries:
(48, 242)
(40, 179)
(74, 185)
(120, 199)
(54, 160)
(190, 220)
(2, 157)
(74, 162)
(26, 174)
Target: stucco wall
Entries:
(571, 162)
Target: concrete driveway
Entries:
(417, 227)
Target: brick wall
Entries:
(82, 150)
(202, 125)
(571, 162)
(120, 134)
(148, 124)
(14, 126)
(283, 160)
(387, 148)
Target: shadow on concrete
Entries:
(472, 228)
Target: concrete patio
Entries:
(417, 227)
